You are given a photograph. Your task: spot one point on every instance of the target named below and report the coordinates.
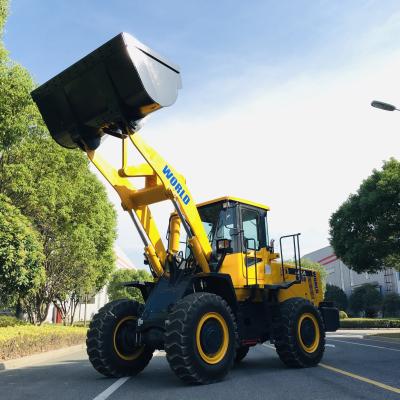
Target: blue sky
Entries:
(283, 87)
(210, 40)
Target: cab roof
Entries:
(237, 199)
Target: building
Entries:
(388, 280)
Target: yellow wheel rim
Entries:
(216, 356)
(136, 352)
(309, 346)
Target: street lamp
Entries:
(384, 106)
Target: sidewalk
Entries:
(367, 332)
(39, 358)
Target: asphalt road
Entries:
(352, 368)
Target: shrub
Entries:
(6, 320)
(337, 295)
(391, 305)
(342, 315)
(80, 323)
(18, 341)
(365, 323)
(367, 299)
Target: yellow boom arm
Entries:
(162, 183)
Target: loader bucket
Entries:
(113, 87)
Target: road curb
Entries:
(33, 359)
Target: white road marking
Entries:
(117, 384)
(366, 345)
(329, 345)
(387, 341)
(345, 336)
(351, 375)
(111, 389)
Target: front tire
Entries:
(110, 340)
(300, 336)
(200, 339)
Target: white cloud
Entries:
(300, 146)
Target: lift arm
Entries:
(162, 183)
(109, 92)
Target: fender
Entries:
(164, 295)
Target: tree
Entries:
(337, 295)
(367, 299)
(309, 264)
(391, 305)
(21, 255)
(55, 190)
(117, 291)
(19, 115)
(365, 230)
(69, 208)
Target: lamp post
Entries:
(384, 106)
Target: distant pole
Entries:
(84, 317)
(341, 276)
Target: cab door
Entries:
(253, 243)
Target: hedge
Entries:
(23, 340)
(6, 320)
(364, 323)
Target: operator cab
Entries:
(234, 225)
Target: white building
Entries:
(340, 275)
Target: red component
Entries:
(250, 342)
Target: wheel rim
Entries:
(308, 332)
(212, 337)
(123, 339)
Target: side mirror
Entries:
(224, 246)
(250, 244)
(272, 245)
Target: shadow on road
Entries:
(76, 379)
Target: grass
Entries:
(23, 340)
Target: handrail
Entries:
(297, 257)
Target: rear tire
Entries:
(300, 336)
(241, 353)
(110, 344)
(200, 338)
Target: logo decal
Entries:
(176, 185)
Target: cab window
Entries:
(251, 228)
(219, 223)
(226, 226)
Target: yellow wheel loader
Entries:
(227, 290)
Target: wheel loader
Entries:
(222, 291)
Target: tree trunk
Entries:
(19, 312)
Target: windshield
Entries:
(209, 216)
(218, 222)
